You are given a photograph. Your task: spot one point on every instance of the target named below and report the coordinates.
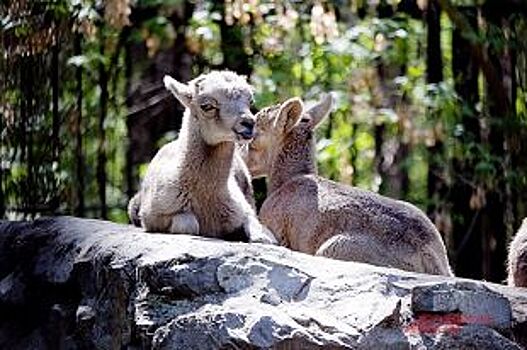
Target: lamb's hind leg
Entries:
(184, 223)
(257, 232)
(133, 210)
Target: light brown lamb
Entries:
(517, 265)
(314, 215)
(190, 185)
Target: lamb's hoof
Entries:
(265, 238)
(258, 233)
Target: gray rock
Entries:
(475, 303)
(68, 283)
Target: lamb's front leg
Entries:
(185, 223)
(257, 232)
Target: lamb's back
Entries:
(314, 209)
(391, 220)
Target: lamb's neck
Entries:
(212, 163)
(292, 159)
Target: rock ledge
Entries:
(68, 283)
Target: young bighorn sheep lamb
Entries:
(190, 185)
(517, 265)
(317, 216)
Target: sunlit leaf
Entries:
(78, 61)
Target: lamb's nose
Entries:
(248, 129)
(248, 123)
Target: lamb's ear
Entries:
(182, 92)
(320, 110)
(289, 114)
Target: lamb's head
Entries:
(284, 125)
(219, 102)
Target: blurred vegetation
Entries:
(431, 100)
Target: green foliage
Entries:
(386, 120)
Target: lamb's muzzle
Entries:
(245, 130)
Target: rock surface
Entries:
(69, 283)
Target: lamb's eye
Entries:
(207, 107)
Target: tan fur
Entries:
(517, 261)
(242, 176)
(190, 185)
(317, 216)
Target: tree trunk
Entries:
(152, 111)
(378, 132)
(353, 153)
(183, 59)
(55, 131)
(437, 188)
(28, 191)
(79, 155)
(495, 227)
(4, 83)
(395, 181)
(101, 147)
(516, 141)
(2, 126)
(465, 220)
(232, 45)
(129, 168)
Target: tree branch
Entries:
(498, 89)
